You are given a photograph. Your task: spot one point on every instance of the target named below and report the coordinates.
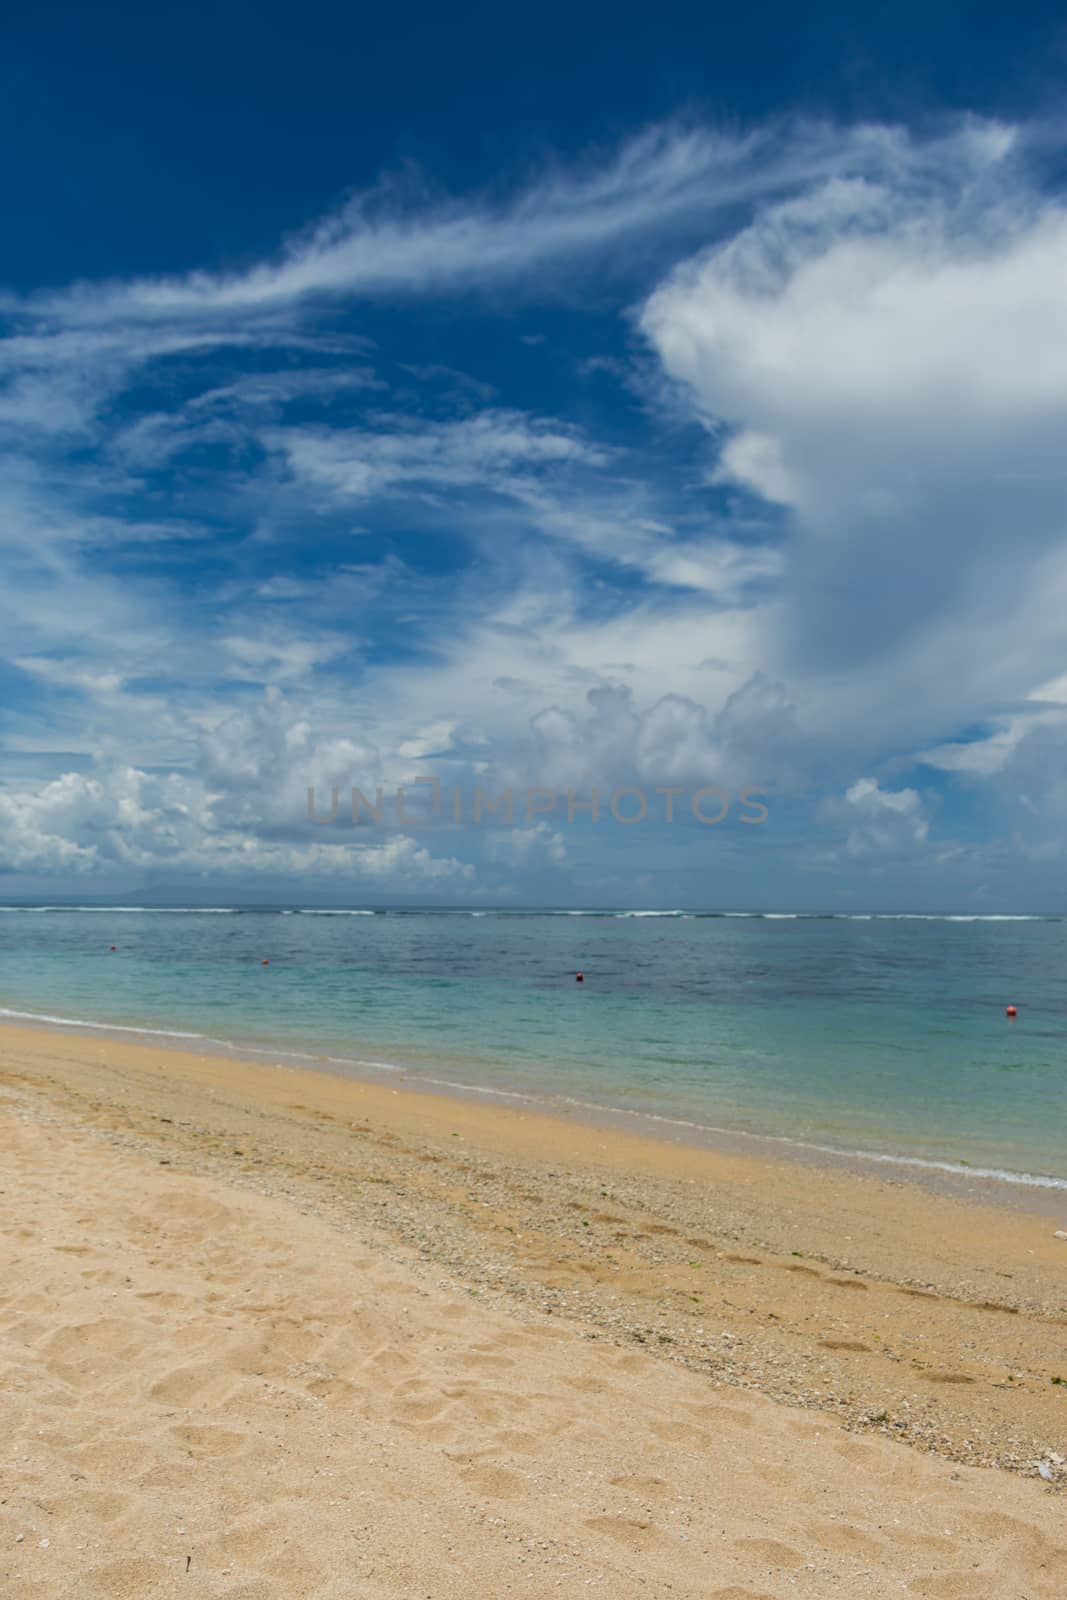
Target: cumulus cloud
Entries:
(879, 822)
(616, 737)
(121, 818)
(886, 356)
(520, 847)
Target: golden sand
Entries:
(267, 1333)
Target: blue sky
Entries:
(605, 399)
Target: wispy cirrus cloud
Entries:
(398, 238)
(666, 181)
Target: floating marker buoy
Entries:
(1010, 1011)
(114, 947)
(579, 977)
(264, 963)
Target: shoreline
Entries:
(935, 1319)
(1036, 1193)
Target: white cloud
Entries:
(886, 356)
(428, 741)
(121, 819)
(875, 337)
(520, 847)
(483, 451)
(397, 239)
(554, 480)
(1042, 716)
(755, 459)
(880, 822)
(275, 658)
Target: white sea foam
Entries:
(1032, 1180)
(106, 1027)
(653, 914)
(140, 911)
(358, 1061)
(502, 911)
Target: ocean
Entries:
(877, 1034)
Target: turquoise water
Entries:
(878, 1034)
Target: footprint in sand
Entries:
(251, 1542)
(679, 1433)
(995, 1525)
(634, 1363)
(516, 1442)
(478, 1361)
(841, 1539)
(135, 1575)
(770, 1552)
(111, 1336)
(729, 1416)
(735, 1593)
(852, 1450)
(207, 1442)
(635, 1533)
(184, 1208)
(116, 1458)
(386, 1360)
(495, 1482)
(811, 1430)
(957, 1585)
(333, 1391)
(1034, 1555)
(487, 1405)
(206, 1383)
(648, 1487)
(413, 1413)
(98, 1504)
(162, 1299)
(932, 1543)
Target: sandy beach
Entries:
(268, 1333)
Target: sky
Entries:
(652, 400)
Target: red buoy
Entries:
(579, 977)
(264, 963)
(1010, 1011)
